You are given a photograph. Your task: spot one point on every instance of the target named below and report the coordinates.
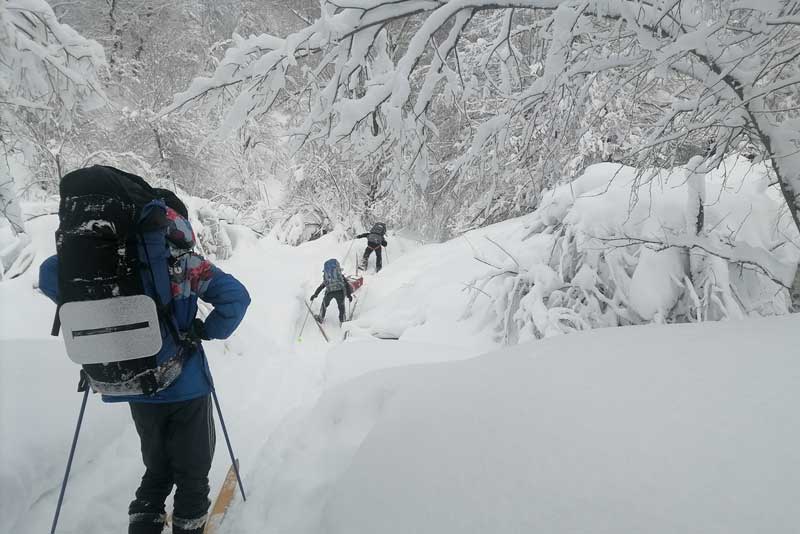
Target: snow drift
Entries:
(658, 429)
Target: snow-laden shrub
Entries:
(325, 190)
(16, 253)
(686, 246)
(210, 223)
(298, 228)
(17, 250)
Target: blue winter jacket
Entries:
(227, 295)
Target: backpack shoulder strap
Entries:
(164, 314)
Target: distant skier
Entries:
(336, 287)
(174, 421)
(375, 241)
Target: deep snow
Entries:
(689, 428)
(262, 374)
(648, 429)
(678, 429)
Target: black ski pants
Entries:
(177, 440)
(378, 257)
(329, 296)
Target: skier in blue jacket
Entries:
(175, 425)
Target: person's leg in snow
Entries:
(177, 447)
(378, 259)
(339, 296)
(325, 301)
(146, 512)
(191, 452)
(365, 259)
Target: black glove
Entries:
(312, 298)
(198, 330)
(350, 298)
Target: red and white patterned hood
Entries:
(179, 231)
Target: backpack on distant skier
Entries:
(332, 276)
(113, 281)
(376, 233)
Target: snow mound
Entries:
(660, 429)
(38, 410)
(350, 360)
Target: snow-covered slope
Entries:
(657, 429)
(398, 429)
(262, 374)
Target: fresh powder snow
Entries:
(420, 421)
(587, 317)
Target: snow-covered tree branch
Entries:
(560, 83)
(49, 73)
(587, 262)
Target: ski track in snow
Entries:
(262, 374)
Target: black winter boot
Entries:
(146, 523)
(188, 526)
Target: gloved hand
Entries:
(198, 330)
(312, 298)
(350, 298)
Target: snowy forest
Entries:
(298, 119)
(544, 167)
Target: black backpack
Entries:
(376, 233)
(110, 325)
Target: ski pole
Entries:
(300, 335)
(234, 463)
(69, 461)
(352, 242)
